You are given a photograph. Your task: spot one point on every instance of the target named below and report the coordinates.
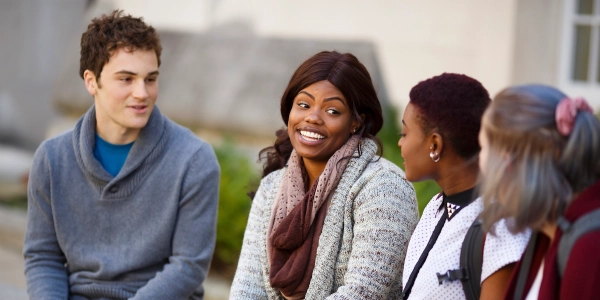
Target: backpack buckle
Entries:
(452, 275)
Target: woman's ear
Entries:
(436, 146)
(356, 124)
(438, 142)
(89, 79)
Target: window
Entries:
(579, 72)
(586, 33)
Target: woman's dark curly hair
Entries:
(452, 105)
(349, 76)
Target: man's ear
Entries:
(91, 84)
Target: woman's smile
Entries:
(310, 137)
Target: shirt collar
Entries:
(454, 203)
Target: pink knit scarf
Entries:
(297, 220)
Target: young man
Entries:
(124, 205)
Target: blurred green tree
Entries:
(389, 136)
(237, 174)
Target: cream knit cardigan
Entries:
(361, 249)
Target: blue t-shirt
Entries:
(112, 157)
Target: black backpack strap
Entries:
(471, 262)
(572, 232)
(526, 262)
(471, 259)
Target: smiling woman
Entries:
(319, 124)
(330, 218)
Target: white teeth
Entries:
(311, 134)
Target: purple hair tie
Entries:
(566, 110)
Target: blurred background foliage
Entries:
(19, 202)
(389, 136)
(239, 175)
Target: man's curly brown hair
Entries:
(109, 33)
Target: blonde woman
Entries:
(541, 159)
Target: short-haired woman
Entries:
(439, 141)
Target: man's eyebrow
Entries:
(153, 73)
(404, 123)
(125, 72)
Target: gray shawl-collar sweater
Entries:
(361, 250)
(147, 233)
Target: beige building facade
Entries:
(501, 43)
(498, 42)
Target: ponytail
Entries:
(580, 159)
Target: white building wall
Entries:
(33, 35)
(538, 42)
(415, 39)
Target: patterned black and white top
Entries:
(499, 250)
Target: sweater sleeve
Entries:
(194, 236)
(385, 215)
(248, 281)
(45, 270)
